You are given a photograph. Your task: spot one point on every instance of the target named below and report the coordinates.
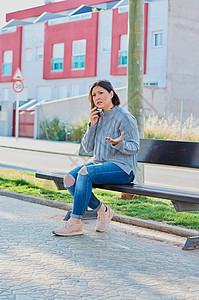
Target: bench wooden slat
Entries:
(58, 177)
(153, 191)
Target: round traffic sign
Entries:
(18, 86)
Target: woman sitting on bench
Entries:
(112, 135)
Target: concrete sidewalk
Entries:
(126, 262)
(65, 148)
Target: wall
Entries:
(157, 57)
(105, 31)
(155, 101)
(183, 58)
(82, 29)
(34, 36)
(11, 41)
(73, 109)
(6, 118)
(32, 70)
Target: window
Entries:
(106, 44)
(58, 57)
(79, 53)
(39, 53)
(123, 50)
(7, 63)
(158, 39)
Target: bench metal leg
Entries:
(88, 215)
(185, 206)
(67, 216)
(59, 185)
(191, 243)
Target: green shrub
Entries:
(57, 131)
(154, 128)
(77, 129)
(52, 130)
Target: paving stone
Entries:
(23, 297)
(123, 263)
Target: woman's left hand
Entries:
(115, 141)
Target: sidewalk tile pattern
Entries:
(117, 264)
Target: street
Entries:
(38, 161)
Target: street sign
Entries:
(18, 75)
(18, 86)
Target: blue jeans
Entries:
(81, 185)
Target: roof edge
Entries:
(53, 7)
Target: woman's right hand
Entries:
(94, 116)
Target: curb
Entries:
(37, 200)
(155, 225)
(39, 150)
(117, 217)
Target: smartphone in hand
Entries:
(99, 110)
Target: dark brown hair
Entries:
(105, 84)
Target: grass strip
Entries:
(144, 208)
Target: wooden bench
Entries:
(171, 153)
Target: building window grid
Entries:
(7, 63)
(79, 53)
(157, 39)
(123, 50)
(57, 64)
(58, 57)
(123, 58)
(7, 69)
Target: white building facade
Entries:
(63, 47)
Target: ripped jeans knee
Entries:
(83, 171)
(69, 181)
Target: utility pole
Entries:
(135, 61)
(135, 67)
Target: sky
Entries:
(7, 6)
